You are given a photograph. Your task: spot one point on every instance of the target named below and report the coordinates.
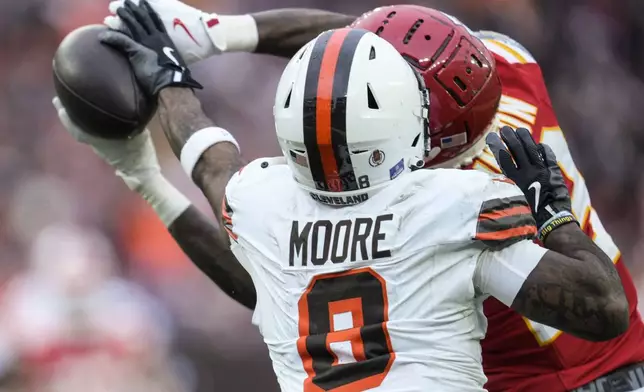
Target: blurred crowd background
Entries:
(95, 296)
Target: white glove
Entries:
(135, 160)
(196, 34)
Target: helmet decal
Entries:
(377, 158)
(459, 71)
(324, 111)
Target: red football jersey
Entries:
(519, 354)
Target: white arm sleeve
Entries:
(501, 273)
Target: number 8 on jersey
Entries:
(344, 343)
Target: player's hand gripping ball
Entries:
(96, 85)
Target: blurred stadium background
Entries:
(96, 297)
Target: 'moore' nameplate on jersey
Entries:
(334, 242)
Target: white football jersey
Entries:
(385, 294)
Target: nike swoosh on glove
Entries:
(183, 23)
(533, 167)
(153, 56)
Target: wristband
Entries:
(560, 219)
(164, 198)
(232, 33)
(199, 142)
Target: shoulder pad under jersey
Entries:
(254, 170)
(249, 191)
(506, 47)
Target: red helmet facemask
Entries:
(458, 69)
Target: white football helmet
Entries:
(350, 115)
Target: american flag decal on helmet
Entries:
(454, 141)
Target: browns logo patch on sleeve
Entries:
(226, 217)
(505, 221)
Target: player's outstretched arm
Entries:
(574, 286)
(282, 32)
(211, 165)
(135, 161)
(209, 154)
(181, 117)
(200, 239)
(198, 35)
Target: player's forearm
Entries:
(212, 173)
(283, 32)
(181, 116)
(571, 241)
(575, 288)
(200, 240)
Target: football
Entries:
(96, 85)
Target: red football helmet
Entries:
(459, 72)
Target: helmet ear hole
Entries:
(458, 82)
(287, 104)
(372, 53)
(371, 99)
(416, 139)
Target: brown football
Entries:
(96, 85)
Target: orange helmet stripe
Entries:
(324, 110)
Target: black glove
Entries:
(153, 56)
(538, 175)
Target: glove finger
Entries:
(114, 23)
(496, 145)
(62, 112)
(548, 155)
(115, 5)
(501, 154)
(515, 147)
(67, 122)
(507, 165)
(118, 41)
(141, 15)
(57, 104)
(530, 146)
(154, 17)
(134, 28)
